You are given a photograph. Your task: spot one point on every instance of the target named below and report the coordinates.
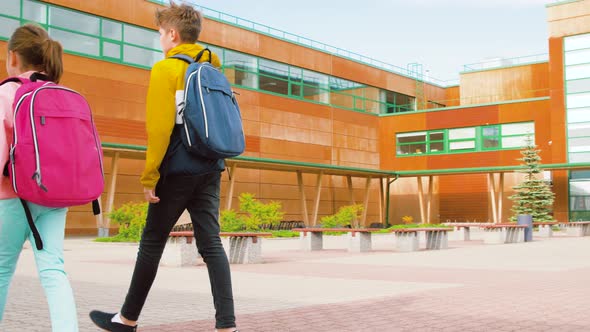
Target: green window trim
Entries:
(478, 141)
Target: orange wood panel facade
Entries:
(284, 128)
(502, 84)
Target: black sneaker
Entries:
(104, 321)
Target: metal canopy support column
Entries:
(500, 197)
(381, 201)
(303, 200)
(350, 189)
(429, 198)
(366, 202)
(232, 180)
(104, 231)
(492, 190)
(318, 193)
(421, 200)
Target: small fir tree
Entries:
(533, 196)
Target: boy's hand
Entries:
(150, 196)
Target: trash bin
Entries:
(527, 220)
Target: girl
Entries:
(30, 50)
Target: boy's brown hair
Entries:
(185, 19)
(37, 50)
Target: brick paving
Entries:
(539, 286)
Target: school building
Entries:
(327, 127)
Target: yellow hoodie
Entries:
(167, 77)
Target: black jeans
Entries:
(200, 196)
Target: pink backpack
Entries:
(55, 155)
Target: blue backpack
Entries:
(211, 120)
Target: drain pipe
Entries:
(389, 182)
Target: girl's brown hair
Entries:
(184, 18)
(37, 51)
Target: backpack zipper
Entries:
(198, 73)
(13, 147)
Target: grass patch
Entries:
(114, 239)
(284, 233)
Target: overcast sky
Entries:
(443, 35)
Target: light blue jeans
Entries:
(14, 231)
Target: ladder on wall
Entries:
(417, 72)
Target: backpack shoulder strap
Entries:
(12, 79)
(200, 54)
(184, 58)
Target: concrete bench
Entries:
(359, 239)
(244, 248)
(577, 228)
(545, 228)
(406, 239)
(504, 233)
(462, 231)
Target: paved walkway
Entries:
(538, 286)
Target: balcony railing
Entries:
(506, 62)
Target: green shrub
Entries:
(253, 214)
(346, 216)
(231, 222)
(131, 218)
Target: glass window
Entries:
(514, 142)
(411, 143)
(491, 142)
(112, 30)
(577, 57)
(462, 133)
(411, 137)
(276, 69)
(10, 8)
(518, 128)
(7, 26)
(240, 60)
(273, 76)
(240, 69)
(74, 21)
(577, 42)
(313, 78)
(141, 56)
(579, 130)
(585, 175)
(579, 157)
(341, 99)
(142, 37)
(578, 115)
(578, 100)
(437, 146)
(491, 131)
(578, 71)
(436, 136)
(75, 42)
(581, 85)
(416, 148)
(34, 11)
(111, 50)
(462, 145)
(581, 144)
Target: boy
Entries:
(175, 180)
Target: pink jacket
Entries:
(7, 92)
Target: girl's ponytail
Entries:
(52, 59)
